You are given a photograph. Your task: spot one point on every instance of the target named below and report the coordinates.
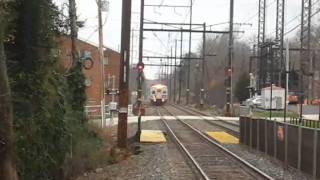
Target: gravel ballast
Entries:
(156, 161)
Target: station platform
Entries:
(223, 137)
(152, 136)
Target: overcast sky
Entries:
(204, 11)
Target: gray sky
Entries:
(208, 11)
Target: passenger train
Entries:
(158, 94)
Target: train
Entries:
(158, 94)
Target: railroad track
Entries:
(211, 160)
(230, 127)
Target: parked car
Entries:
(315, 102)
(292, 99)
(254, 101)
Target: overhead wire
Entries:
(256, 14)
(299, 15)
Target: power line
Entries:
(294, 18)
(249, 19)
(294, 28)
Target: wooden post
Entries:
(124, 74)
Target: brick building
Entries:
(112, 64)
(93, 76)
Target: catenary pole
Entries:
(203, 66)
(189, 55)
(180, 70)
(175, 73)
(229, 66)
(101, 58)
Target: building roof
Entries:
(274, 87)
(92, 44)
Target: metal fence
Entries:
(296, 146)
(305, 122)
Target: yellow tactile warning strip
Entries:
(223, 137)
(152, 136)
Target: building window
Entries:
(86, 53)
(106, 60)
(55, 52)
(87, 82)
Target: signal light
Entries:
(228, 71)
(140, 67)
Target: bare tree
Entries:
(7, 167)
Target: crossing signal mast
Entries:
(140, 67)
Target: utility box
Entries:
(138, 112)
(278, 98)
(113, 106)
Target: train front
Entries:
(158, 94)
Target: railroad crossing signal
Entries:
(140, 67)
(229, 71)
(112, 92)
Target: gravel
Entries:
(155, 162)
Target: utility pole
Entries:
(101, 59)
(203, 66)
(124, 74)
(175, 73)
(180, 70)
(189, 55)
(139, 78)
(229, 66)
(170, 75)
(73, 32)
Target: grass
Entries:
(266, 114)
(89, 153)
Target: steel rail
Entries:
(215, 123)
(195, 163)
(239, 159)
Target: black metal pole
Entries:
(139, 78)
(167, 72)
(175, 72)
(170, 76)
(301, 98)
(202, 69)
(271, 71)
(286, 82)
(180, 70)
(189, 55)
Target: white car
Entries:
(254, 101)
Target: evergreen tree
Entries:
(7, 167)
(39, 91)
(241, 88)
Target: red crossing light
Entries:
(140, 67)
